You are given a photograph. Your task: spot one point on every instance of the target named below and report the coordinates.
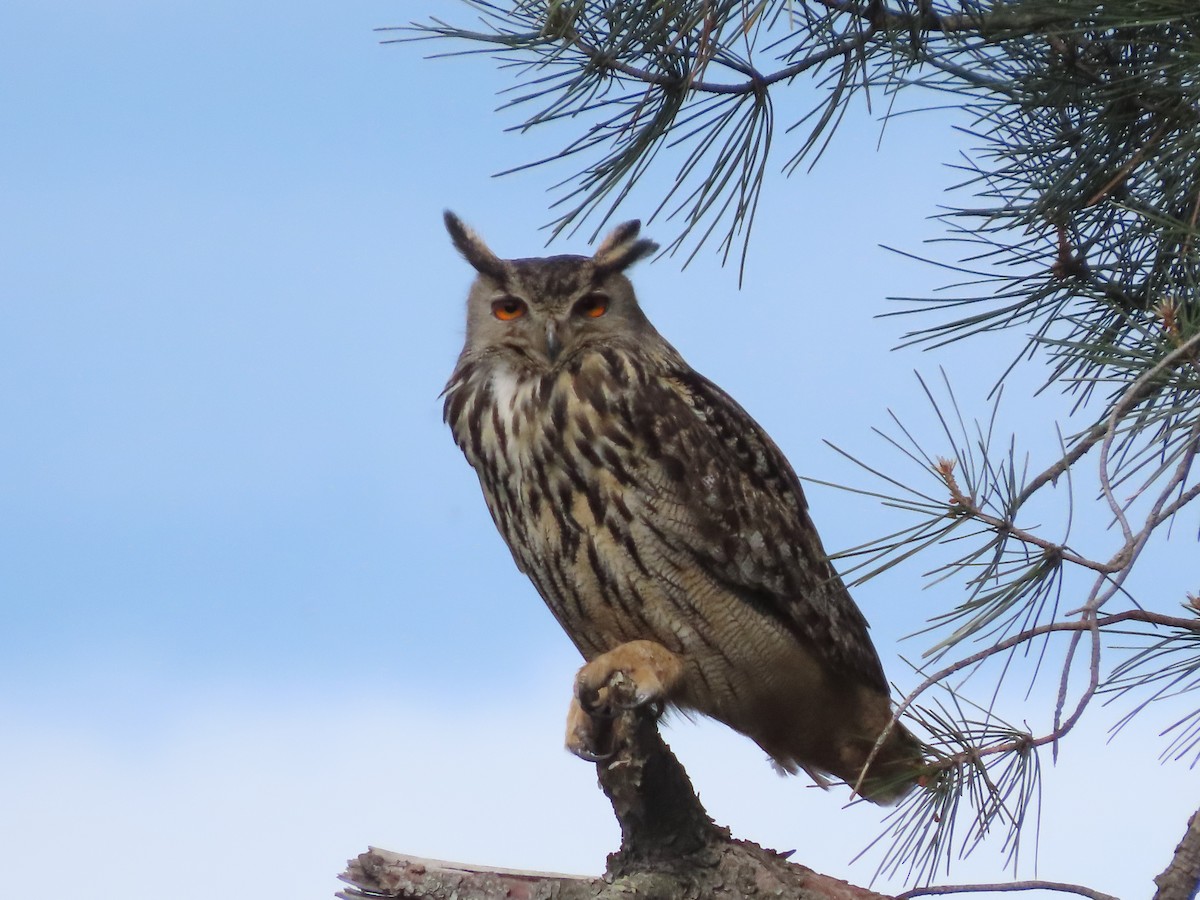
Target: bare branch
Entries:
(382, 873)
(1184, 499)
(1142, 388)
(1181, 879)
(1007, 886)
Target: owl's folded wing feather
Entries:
(738, 505)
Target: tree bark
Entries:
(1181, 879)
(670, 848)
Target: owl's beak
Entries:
(553, 344)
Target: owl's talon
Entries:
(589, 736)
(592, 756)
(595, 702)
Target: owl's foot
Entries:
(589, 737)
(630, 676)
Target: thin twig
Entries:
(1136, 393)
(1009, 886)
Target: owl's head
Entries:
(543, 309)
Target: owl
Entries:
(663, 528)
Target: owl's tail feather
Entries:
(894, 769)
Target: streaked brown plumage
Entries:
(662, 526)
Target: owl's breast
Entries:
(490, 411)
(561, 473)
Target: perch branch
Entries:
(670, 848)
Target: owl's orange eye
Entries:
(508, 308)
(592, 306)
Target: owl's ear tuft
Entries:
(621, 249)
(472, 247)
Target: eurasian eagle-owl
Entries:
(662, 526)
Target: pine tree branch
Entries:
(1181, 879)
(961, 749)
(756, 83)
(603, 61)
(965, 505)
(1090, 624)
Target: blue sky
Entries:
(255, 614)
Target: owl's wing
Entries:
(737, 506)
